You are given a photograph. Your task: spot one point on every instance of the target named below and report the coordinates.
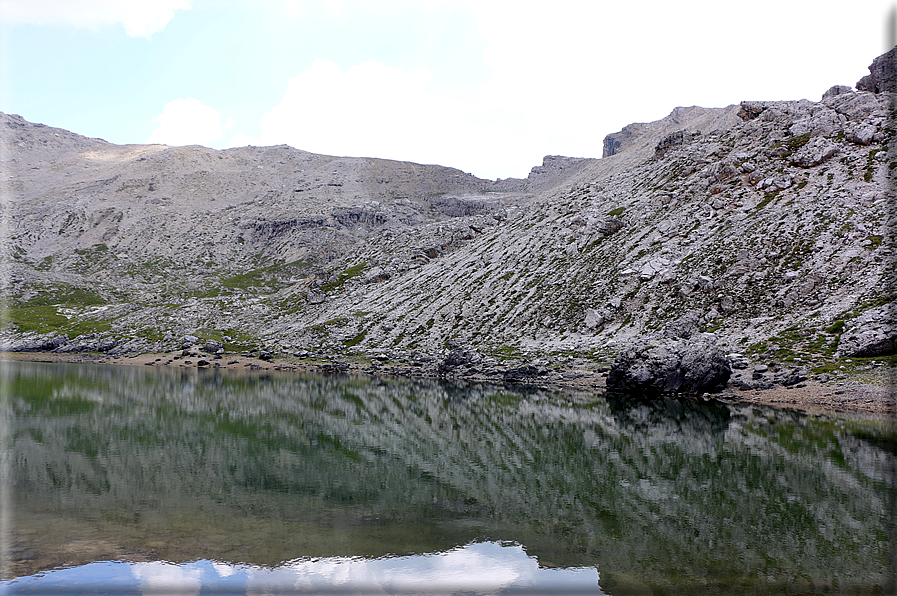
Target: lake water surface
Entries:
(140, 480)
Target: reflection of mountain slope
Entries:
(672, 492)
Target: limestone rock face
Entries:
(680, 137)
(814, 153)
(667, 365)
(836, 90)
(871, 334)
(882, 75)
(642, 138)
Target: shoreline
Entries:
(866, 397)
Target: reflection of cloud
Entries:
(482, 568)
(223, 569)
(485, 568)
(167, 578)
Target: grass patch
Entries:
(356, 340)
(240, 341)
(265, 277)
(47, 319)
(65, 295)
(151, 334)
(792, 144)
(505, 352)
(870, 165)
(343, 277)
(338, 322)
(836, 328)
(766, 200)
(855, 365)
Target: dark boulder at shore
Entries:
(670, 365)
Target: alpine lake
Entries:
(144, 480)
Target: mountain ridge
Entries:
(766, 222)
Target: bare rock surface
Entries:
(871, 334)
(670, 366)
(882, 75)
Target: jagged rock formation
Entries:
(871, 334)
(882, 75)
(771, 220)
(639, 138)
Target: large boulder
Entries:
(458, 358)
(525, 374)
(871, 334)
(670, 365)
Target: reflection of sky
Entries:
(480, 568)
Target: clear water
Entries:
(142, 480)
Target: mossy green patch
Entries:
(767, 198)
(47, 319)
(265, 277)
(65, 295)
(343, 277)
(504, 352)
(356, 340)
(837, 327)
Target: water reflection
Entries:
(482, 568)
(149, 465)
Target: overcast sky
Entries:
(485, 86)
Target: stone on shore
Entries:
(670, 365)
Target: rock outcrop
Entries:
(667, 365)
(873, 333)
(882, 77)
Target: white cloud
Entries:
(376, 110)
(188, 122)
(561, 79)
(140, 18)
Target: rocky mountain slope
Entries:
(767, 224)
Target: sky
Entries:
(486, 86)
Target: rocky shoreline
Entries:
(868, 395)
